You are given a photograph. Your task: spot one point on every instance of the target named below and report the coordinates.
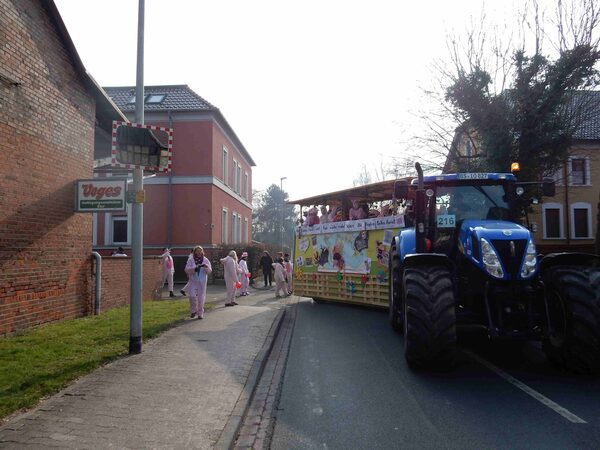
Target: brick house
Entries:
(51, 112)
(206, 199)
(567, 221)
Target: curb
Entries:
(230, 431)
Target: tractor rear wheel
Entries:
(395, 285)
(573, 300)
(429, 317)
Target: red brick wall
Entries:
(46, 142)
(116, 280)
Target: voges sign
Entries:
(101, 195)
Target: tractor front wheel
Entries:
(429, 317)
(573, 302)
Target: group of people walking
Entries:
(236, 274)
(282, 266)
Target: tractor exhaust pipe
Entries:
(420, 211)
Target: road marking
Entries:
(532, 392)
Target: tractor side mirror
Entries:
(400, 189)
(548, 187)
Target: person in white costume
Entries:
(168, 269)
(198, 268)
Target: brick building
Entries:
(206, 199)
(51, 112)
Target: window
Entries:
(150, 99)
(239, 228)
(224, 226)
(245, 229)
(94, 228)
(579, 174)
(581, 220)
(552, 217)
(245, 192)
(225, 178)
(155, 98)
(237, 175)
(234, 228)
(119, 230)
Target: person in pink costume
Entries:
(280, 283)
(324, 215)
(289, 268)
(245, 274)
(168, 269)
(198, 268)
(357, 211)
(231, 271)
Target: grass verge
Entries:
(41, 361)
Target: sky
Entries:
(314, 89)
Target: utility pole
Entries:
(137, 217)
(282, 208)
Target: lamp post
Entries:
(137, 216)
(282, 207)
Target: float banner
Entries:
(377, 223)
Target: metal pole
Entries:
(137, 218)
(282, 206)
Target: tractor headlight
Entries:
(491, 260)
(530, 261)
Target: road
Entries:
(348, 386)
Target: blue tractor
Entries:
(467, 263)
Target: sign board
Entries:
(144, 146)
(101, 195)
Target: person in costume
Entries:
(198, 268)
(231, 271)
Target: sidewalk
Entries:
(185, 390)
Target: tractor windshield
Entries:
(479, 202)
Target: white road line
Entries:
(532, 392)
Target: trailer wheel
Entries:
(395, 285)
(573, 301)
(429, 317)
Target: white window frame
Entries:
(572, 208)
(234, 228)
(245, 230)
(236, 176)
(239, 228)
(561, 226)
(224, 226)
(588, 179)
(95, 229)
(238, 179)
(245, 193)
(225, 161)
(119, 218)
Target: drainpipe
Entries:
(170, 196)
(567, 212)
(98, 259)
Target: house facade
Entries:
(51, 112)
(567, 221)
(207, 197)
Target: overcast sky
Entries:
(314, 89)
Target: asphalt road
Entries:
(347, 386)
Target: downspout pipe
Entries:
(98, 259)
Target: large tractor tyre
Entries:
(429, 317)
(395, 285)
(573, 299)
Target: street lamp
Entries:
(282, 206)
